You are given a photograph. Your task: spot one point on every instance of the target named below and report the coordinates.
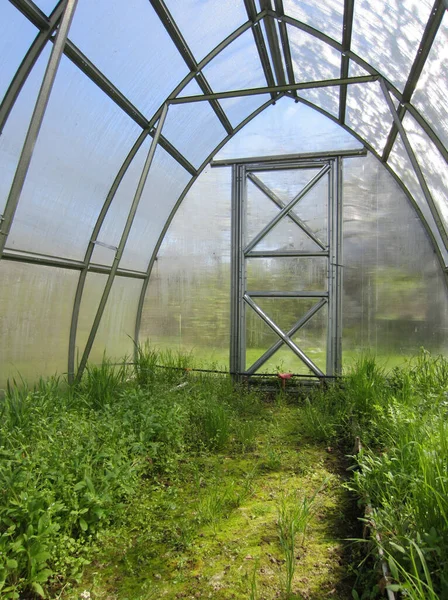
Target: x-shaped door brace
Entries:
(286, 210)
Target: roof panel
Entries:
(205, 24)
(237, 109)
(130, 45)
(325, 98)
(16, 36)
(82, 143)
(387, 33)
(324, 16)
(368, 113)
(236, 67)
(313, 59)
(194, 129)
(431, 93)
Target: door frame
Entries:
(330, 166)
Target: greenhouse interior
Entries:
(224, 299)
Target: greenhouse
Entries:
(223, 224)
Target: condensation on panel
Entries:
(368, 114)
(166, 181)
(187, 304)
(205, 24)
(115, 334)
(82, 143)
(112, 228)
(194, 129)
(35, 310)
(16, 36)
(129, 44)
(313, 59)
(236, 67)
(286, 313)
(287, 274)
(387, 34)
(325, 98)
(432, 163)
(431, 92)
(288, 128)
(394, 296)
(14, 132)
(323, 16)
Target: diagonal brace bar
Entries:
(273, 349)
(122, 244)
(287, 209)
(285, 338)
(297, 220)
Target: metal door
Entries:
(285, 267)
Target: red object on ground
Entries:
(284, 377)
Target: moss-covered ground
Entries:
(209, 527)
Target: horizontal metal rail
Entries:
(283, 253)
(256, 160)
(288, 294)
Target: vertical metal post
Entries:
(238, 275)
(35, 123)
(122, 244)
(334, 338)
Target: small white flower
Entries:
(85, 595)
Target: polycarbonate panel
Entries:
(288, 128)
(82, 143)
(237, 109)
(14, 132)
(205, 24)
(431, 92)
(117, 326)
(313, 59)
(165, 183)
(16, 36)
(387, 34)
(394, 296)
(187, 305)
(324, 16)
(368, 114)
(325, 98)
(432, 163)
(35, 311)
(129, 44)
(194, 129)
(287, 274)
(115, 220)
(311, 338)
(236, 67)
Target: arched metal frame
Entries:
(278, 87)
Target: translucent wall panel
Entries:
(311, 339)
(130, 45)
(205, 24)
(35, 312)
(82, 143)
(16, 36)
(368, 114)
(387, 33)
(187, 304)
(324, 16)
(166, 181)
(236, 67)
(394, 295)
(431, 93)
(288, 128)
(313, 59)
(325, 98)
(194, 129)
(433, 164)
(116, 330)
(237, 109)
(287, 274)
(14, 132)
